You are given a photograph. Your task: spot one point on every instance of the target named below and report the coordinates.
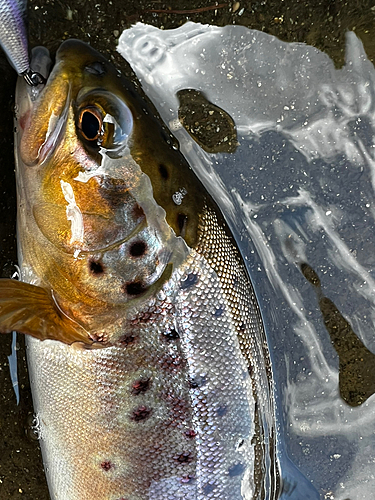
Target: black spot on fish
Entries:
(187, 479)
(171, 334)
(141, 413)
(106, 465)
(184, 458)
(126, 340)
(171, 362)
(140, 386)
(181, 223)
(190, 434)
(240, 444)
(96, 68)
(96, 267)
(208, 488)
(190, 280)
(164, 172)
(138, 248)
(221, 411)
(219, 311)
(197, 381)
(236, 470)
(134, 288)
(242, 327)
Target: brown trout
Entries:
(147, 356)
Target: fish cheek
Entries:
(43, 121)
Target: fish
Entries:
(148, 360)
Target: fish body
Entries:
(147, 355)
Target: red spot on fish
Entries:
(190, 434)
(178, 410)
(184, 458)
(106, 465)
(127, 340)
(140, 386)
(172, 362)
(187, 479)
(153, 313)
(141, 413)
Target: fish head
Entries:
(108, 207)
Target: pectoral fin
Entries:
(32, 310)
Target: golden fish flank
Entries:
(176, 400)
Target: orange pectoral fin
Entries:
(32, 310)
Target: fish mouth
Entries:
(26, 94)
(41, 111)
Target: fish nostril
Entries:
(141, 413)
(184, 458)
(138, 248)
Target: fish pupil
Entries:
(90, 125)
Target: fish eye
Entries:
(103, 121)
(90, 123)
